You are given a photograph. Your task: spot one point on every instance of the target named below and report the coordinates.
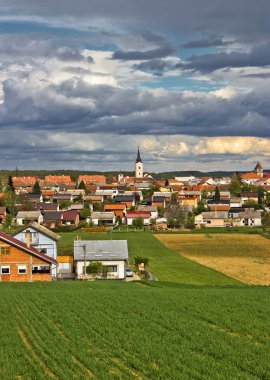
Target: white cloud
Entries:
(233, 145)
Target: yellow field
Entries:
(244, 257)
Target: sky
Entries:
(84, 83)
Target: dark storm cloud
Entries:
(247, 19)
(206, 42)
(157, 66)
(258, 56)
(163, 51)
(76, 106)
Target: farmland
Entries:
(164, 263)
(244, 257)
(118, 330)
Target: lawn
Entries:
(164, 263)
(245, 257)
(117, 330)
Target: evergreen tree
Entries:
(235, 185)
(217, 194)
(36, 188)
(260, 198)
(166, 182)
(11, 185)
(82, 185)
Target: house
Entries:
(20, 262)
(113, 254)
(128, 200)
(119, 209)
(158, 201)
(94, 198)
(89, 179)
(71, 217)
(152, 209)
(235, 211)
(42, 239)
(249, 196)
(250, 218)
(213, 219)
(52, 218)
(236, 202)
(59, 179)
(24, 183)
(145, 216)
(103, 218)
(166, 194)
(47, 206)
(190, 201)
(63, 197)
(32, 198)
(24, 217)
(107, 194)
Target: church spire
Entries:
(138, 159)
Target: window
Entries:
(21, 269)
(5, 269)
(43, 250)
(5, 250)
(112, 268)
(41, 269)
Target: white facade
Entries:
(118, 268)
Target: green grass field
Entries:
(117, 330)
(165, 264)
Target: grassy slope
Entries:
(164, 263)
(117, 330)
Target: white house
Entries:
(105, 218)
(250, 218)
(24, 217)
(144, 215)
(42, 239)
(111, 253)
(152, 209)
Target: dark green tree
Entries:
(166, 182)
(36, 188)
(260, 198)
(82, 185)
(217, 194)
(235, 186)
(10, 184)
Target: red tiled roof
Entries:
(92, 178)
(120, 206)
(15, 242)
(70, 215)
(250, 176)
(58, 178)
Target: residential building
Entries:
(103, 218)
(20, 262)
(113, 254)
(25, 217)
(42, 239)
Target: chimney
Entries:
(28, 238)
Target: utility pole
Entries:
(84, 255)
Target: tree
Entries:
(217, 194)
(235, 186)
(84, 213)
(137, 222)
(36, 188)
(176, 215)
(160, 211)
(260, 198)
(82, 185)
(10, 184)
(141, 260)
(166, 182)
(200, 208)
(190, 221)
(266, 219)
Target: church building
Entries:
(138, 166)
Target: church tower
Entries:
(138, 166)
(259, 169)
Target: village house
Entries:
(103, 218)
(47, 206)
(25, 217)
(42, 239)
(132, 215)
(20, 262)
(152, 209)
(119, 209)
(107, 194)
(249, 218)
(94, 199)
(23, 184)
(213, 219)
(52, 218)
(128, 200)
(158, 201)
(71, 217)
(189, 201)
(92, 179)
(112, 254)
